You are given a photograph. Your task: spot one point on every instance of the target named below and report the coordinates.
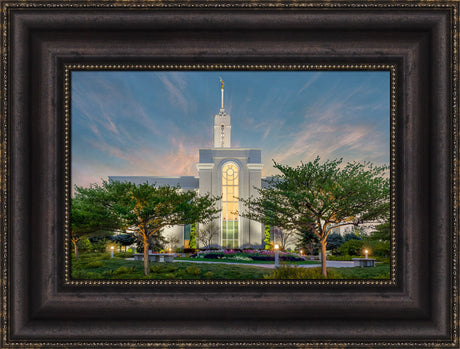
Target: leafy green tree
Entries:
(157, 243)
(351, 236)
(147, 209)
(90, 215)
(380, 248)
(379, 240)
(100, 242)
(322, 196)
(352, 247)
(308, 241)
(382, 232)
(84, 245)
(334, 241)
(124, 239)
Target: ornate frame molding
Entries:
(43, 40)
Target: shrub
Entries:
(94, 264)
(267, 238)
(382, 276)
(351, 236)
(341, 258)
(212, 256)
(291, 258)
(241, 258)
(352, 247)
(288, 272)
(83, 274)
(209, 275)
(157, 269)
(380, 248)
(189, 250)
(123, 255)
(84, 245)
(192, 270)
(124, 239)
(334, 241)
(104, 256)
(192, 241)
(109, 272)
(170, 267)
(262, 258)
(121, 270)
(99, 244)
(382, 259)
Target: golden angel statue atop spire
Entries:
(221, 83)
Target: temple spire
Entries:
(222, 93)
(222, 126)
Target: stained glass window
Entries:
(230, 235)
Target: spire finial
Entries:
(222, 93)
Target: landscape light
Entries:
(277, 256)
(366, 253)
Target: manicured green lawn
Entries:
(101, 266)
(117, 268)
(380, 271)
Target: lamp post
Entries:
(111, 251)
(366, 254)
(277, 256)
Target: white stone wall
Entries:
(176, 231)
(210, 173)
(222, 130)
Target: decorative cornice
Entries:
(204, 166)
(255, 166)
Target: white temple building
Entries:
(222, 171)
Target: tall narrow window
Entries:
(230, 205)
(222, 134)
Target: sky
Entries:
(152, 123)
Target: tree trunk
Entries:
(146, 257)
(323, 257)
(75, 244)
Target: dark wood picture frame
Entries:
(41, 309)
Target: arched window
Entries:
(230, 172)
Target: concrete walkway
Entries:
(332, 264)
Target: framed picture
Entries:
(236, 160)
(87, 92)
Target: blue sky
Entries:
(153, 123)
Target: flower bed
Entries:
(248, 255)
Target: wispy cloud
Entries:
(330, 128)
(180, 160)
(175, 86)
(309, 82)
(153, 123)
